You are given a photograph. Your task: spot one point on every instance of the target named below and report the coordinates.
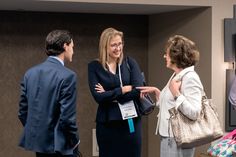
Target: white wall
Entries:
(220, 10)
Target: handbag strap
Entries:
(142, 73)
(121, 83)
(203, 92)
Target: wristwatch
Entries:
(176, 96)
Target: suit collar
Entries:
(59, 59)
(54, 60)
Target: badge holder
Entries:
(127, 109)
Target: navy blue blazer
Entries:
(47, 108)
(108, 108)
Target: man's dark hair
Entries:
(55, 41)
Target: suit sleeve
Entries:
(107, 96)
(23, 104)
(136, 80)
(67, 101)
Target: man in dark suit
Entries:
(47, 107)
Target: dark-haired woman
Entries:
(183, 90)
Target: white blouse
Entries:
(189, 102)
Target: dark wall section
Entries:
(22, 36)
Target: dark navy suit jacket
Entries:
(108, 108)
(47, 108)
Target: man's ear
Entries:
(65, 46)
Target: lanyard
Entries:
(130, 120)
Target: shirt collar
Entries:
(183, 72)
(57, 58)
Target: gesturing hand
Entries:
(149, 89)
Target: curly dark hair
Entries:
(182, 51)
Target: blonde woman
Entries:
(113, 79)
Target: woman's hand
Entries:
(126, 89)
(149, 89)
(99, 88)
(174, 87)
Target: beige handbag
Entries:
(191, 133)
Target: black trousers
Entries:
(53, 155)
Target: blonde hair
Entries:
(105, 39)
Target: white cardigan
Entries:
(189, 102)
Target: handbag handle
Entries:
(232, 133)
